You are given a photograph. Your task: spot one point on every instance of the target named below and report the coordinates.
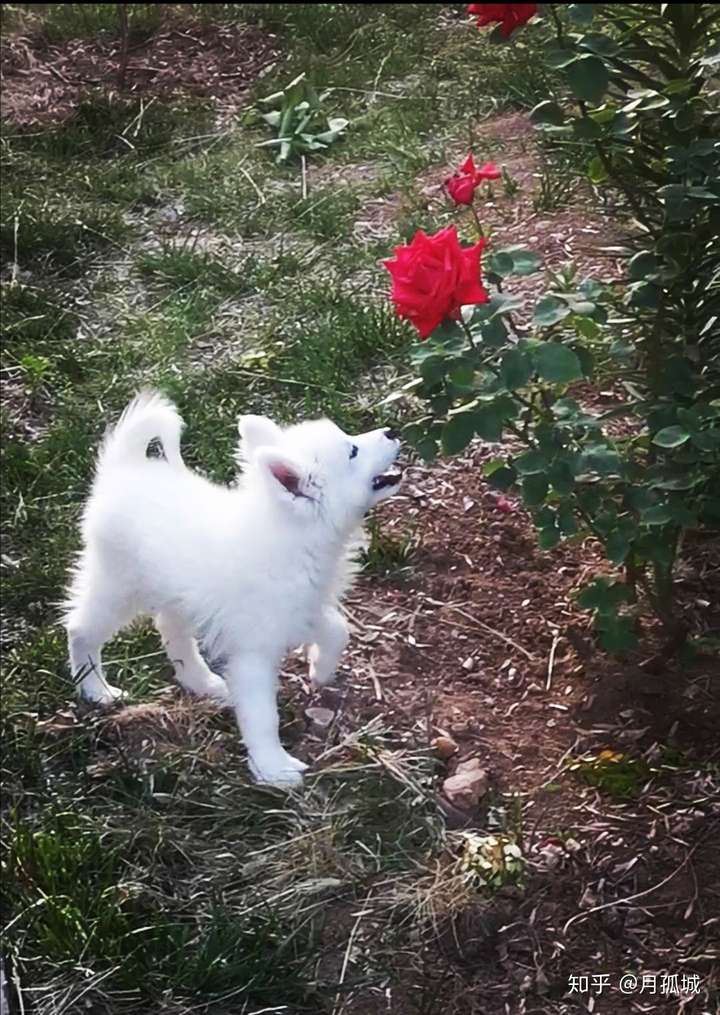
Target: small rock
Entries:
(320, 719)
(444, 747)
(469, 783)
(469, 664)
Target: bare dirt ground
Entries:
(43, 83)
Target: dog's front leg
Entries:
(253, 688)
(331, 638)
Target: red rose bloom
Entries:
(433, 276)
(510, 16)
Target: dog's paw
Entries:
(102, 695)
(281, 771)
(319, 677)
(295, 763)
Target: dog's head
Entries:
(317, 469)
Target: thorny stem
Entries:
(558, 24)
(478, 223)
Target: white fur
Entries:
(253, 571)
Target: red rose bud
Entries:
(461, 185)
(433, 277)
(509, 16)
(461, 188)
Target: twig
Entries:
(303, 171)
(485, 627)
(551, 661)
(337, 1007)
(14, 976)
(252, 183)
(376, 683)
(16, 266)
(290, 380)
(377, 76)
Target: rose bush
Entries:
(640, 91)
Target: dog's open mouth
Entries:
(386, 479)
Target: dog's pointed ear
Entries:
(281, 471)
(257, 432)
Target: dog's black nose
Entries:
(392, 435)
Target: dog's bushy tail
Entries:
(150, 416)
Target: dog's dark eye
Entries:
(354, 451)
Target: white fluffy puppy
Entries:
(253, 571)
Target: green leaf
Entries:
(603, 45)
(671, 437)
(602, 595)
(547, 112)
(556, 363)
(534, 489)
(586, 129)
(501, 303)
(489, 423)
(642, 265)
(616, 633)
(601, 459)
(597, 173)
(588, 78)
(548, 537)
(561, 477)
(558, 56)
(617, 546)
(587, 363)
(458, 432)
(678, 206)
(660, 514)
(500, 263)
(461, 373)
(427, 449)
(566, 519)
(530, 462)
(587, 328)
(644, 295)
(433, 369)
(494, 332)
(516, 368)
(549, 310)
(502, 478)
(525, 262)
(581, 14)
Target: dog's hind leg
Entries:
(191, 671)
(253, 687)
(331, 638)
(92, 619)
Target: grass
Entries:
(143, 244)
